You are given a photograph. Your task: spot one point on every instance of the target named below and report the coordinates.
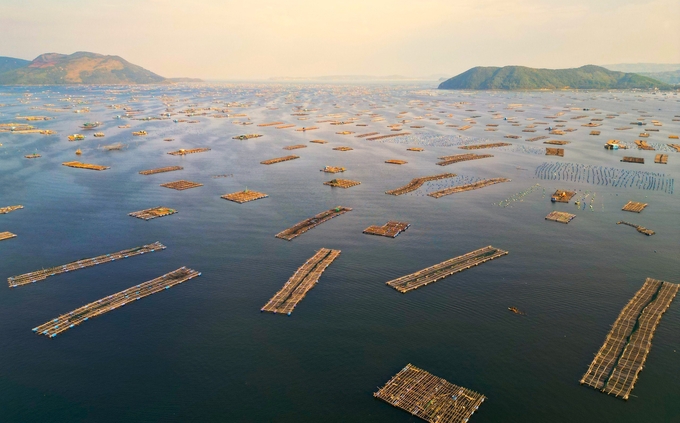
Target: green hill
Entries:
(523, 78)
(77, 68)
(669, 77)
(10, 63)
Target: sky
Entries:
(256, 39)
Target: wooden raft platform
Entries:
(675, 146)
(447, 160)
(181, 185)
(480, 146)
(562, 217)
(43, 274)
(397, 162)
(9, 209)
(642, 145)
(633, 206)
(639, 228)
(629, 159)
(445, 268)
(554, 152)
(617, 365)
(342, 183)
(468, 187)
(152, 213)
(294, 147)
(301, 282)
(343, 148)
(160, 170)
(418, 182)
(390, 229)
(562, 196)
(556, 142)
(382, 137)
(183, 152)
(244, 196)
(312, 222)
(6, 235)
(112, 302)
(429, 397)
(661, 159)
(80, 165)
(333, 169)
(367, 134)
(279, 160)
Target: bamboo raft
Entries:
(247, 136)
(307, 224)
(429, 397)
(480, 146)
(639, 228)
(675, 146)
(114, 301)
(633, 160)
(661, 159)
(418, 182)
(279, 160)
(301, 282)
(382, 137)
(445, 269)
(32, 156)
(183, 152)
(554, 152)
(244, 196)
(465, 127)
(556, 142)
(467, 187)
(343, 148)
(294, 147)
(333, 169)
(390, 229)
(342, 183)
(270, 124)
(594, 132)
(39, 275)
(516, 137)
(80, 165)
(160, 170)
(415, 149)
(447, 160)
(542, 137)
(561, 217)
(642, 145)
(633, 206)
(562, 196)
(9, 209)
(307, 128)
(367, 134)
(319, 141)
(6, 235)
(181, 185)
(345, 133)
(285, 126)
(153, 213)
(619, 361)
(397, 162)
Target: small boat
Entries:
(90, 125)
(76, 137)
(78, 152)
(139, 133)
(516, 311)
(99, 134)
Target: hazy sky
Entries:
(222, 39)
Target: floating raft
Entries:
(633, 160)
(390, 229)
(675, 146)
(246, 136)
(160, 170)
(312, 222)
(319, 141)
(556, 142)
(342, 183)
(594, 132)
(307, 128)
(415, 149)
(343, 148)
(32, 156)
(397, 162)
(285, 126)
(429, 397)
(445, 269)
(562, 217)
(270, 124)
(367, 134)
(333, 169)
(554, 152)
(642, 145)
(639, 228)
(279, 160)
(633, 206)
(294, 147)
(183, 152)
(468, 187)
(418, 182)
(80, 165)
(181, 185)
(480, 146)
(112, 302)
(6, 235)
(661, 159)
(301, 282)
(9, 209)
(382, 137)
(617, 365)
(447, 160)
(43, 274)
(542, 137)
(152, 213)
(561, 196)
(244, 196)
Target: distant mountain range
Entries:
(77, 68)
(664, 72)
(356, 78)
(524, 78)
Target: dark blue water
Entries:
(203, 352)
